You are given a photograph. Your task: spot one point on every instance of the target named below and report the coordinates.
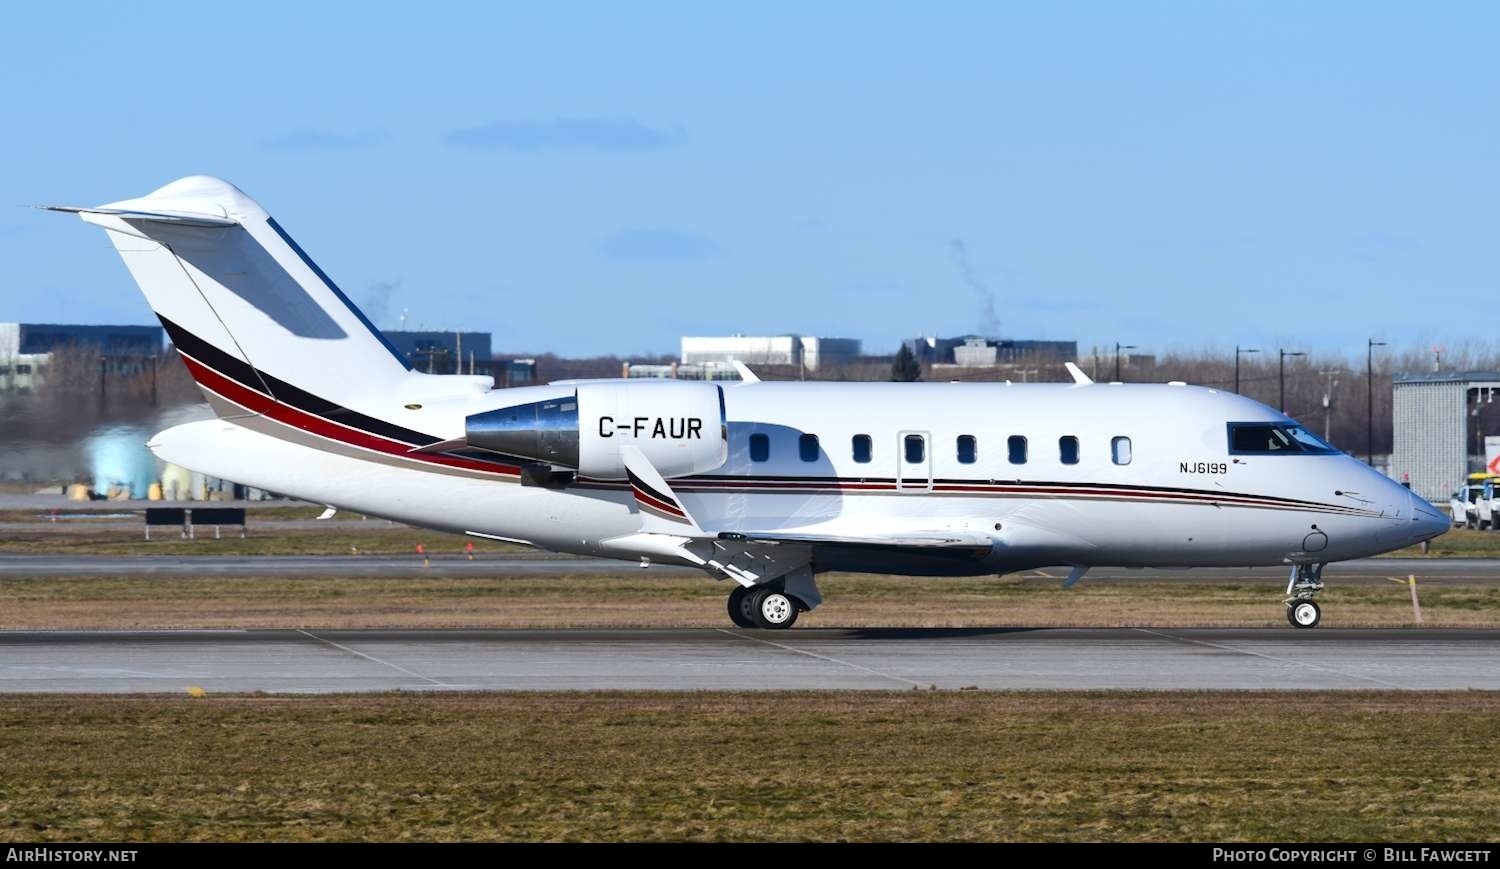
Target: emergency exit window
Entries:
(916, 449)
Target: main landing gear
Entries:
(1302, 610)
(763, 607)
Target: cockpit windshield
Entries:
(1266, 438)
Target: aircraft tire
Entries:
(739, 608)
(1304, 614)
(772, 609)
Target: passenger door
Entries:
(913, 461)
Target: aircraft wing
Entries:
(662, 512)
(747, 556)
(915, 540)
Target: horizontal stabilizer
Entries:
(180, 218)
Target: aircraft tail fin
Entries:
(242, 301)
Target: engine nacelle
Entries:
(679, 425)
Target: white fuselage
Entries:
(1183, 498)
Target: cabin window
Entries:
(807, 447)
(862, 448)
(1119, 450)
(968, 449)
(760, 447)
(1067, 449)
(916, 449)
(1016, 446)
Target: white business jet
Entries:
(760, 483)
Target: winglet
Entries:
(661, 511)
(746, 375)
(1078, 376)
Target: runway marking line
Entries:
(1278, 660)
(376, 660)
(827, 658)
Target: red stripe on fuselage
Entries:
(270, 408)
(1081, 490)
(258, 402)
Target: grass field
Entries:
(373, 537)
(1457, 543)
(635, 600)
(963, 766)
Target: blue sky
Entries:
(594, 178)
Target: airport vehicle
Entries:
(1476, 504)
(760, 483)
(1461, 506)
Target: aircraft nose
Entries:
(1427, 522)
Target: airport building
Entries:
(26, 349)
(975, 351)
(807, 351)
(460, 353)
(681, 371)
(442, 352)
(1437, 428)
(509, 372)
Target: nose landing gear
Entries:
(1302, 611)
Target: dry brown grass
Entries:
(634, 600)
(1457, 543)
(962, 766)
(375, 537)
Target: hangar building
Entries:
(1435, 428)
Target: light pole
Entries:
(1281, 374)
(1370, 346)
(1237, 353)
(1118, 348)
(1329, 403)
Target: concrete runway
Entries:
(710, 659)
(1366, 571)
